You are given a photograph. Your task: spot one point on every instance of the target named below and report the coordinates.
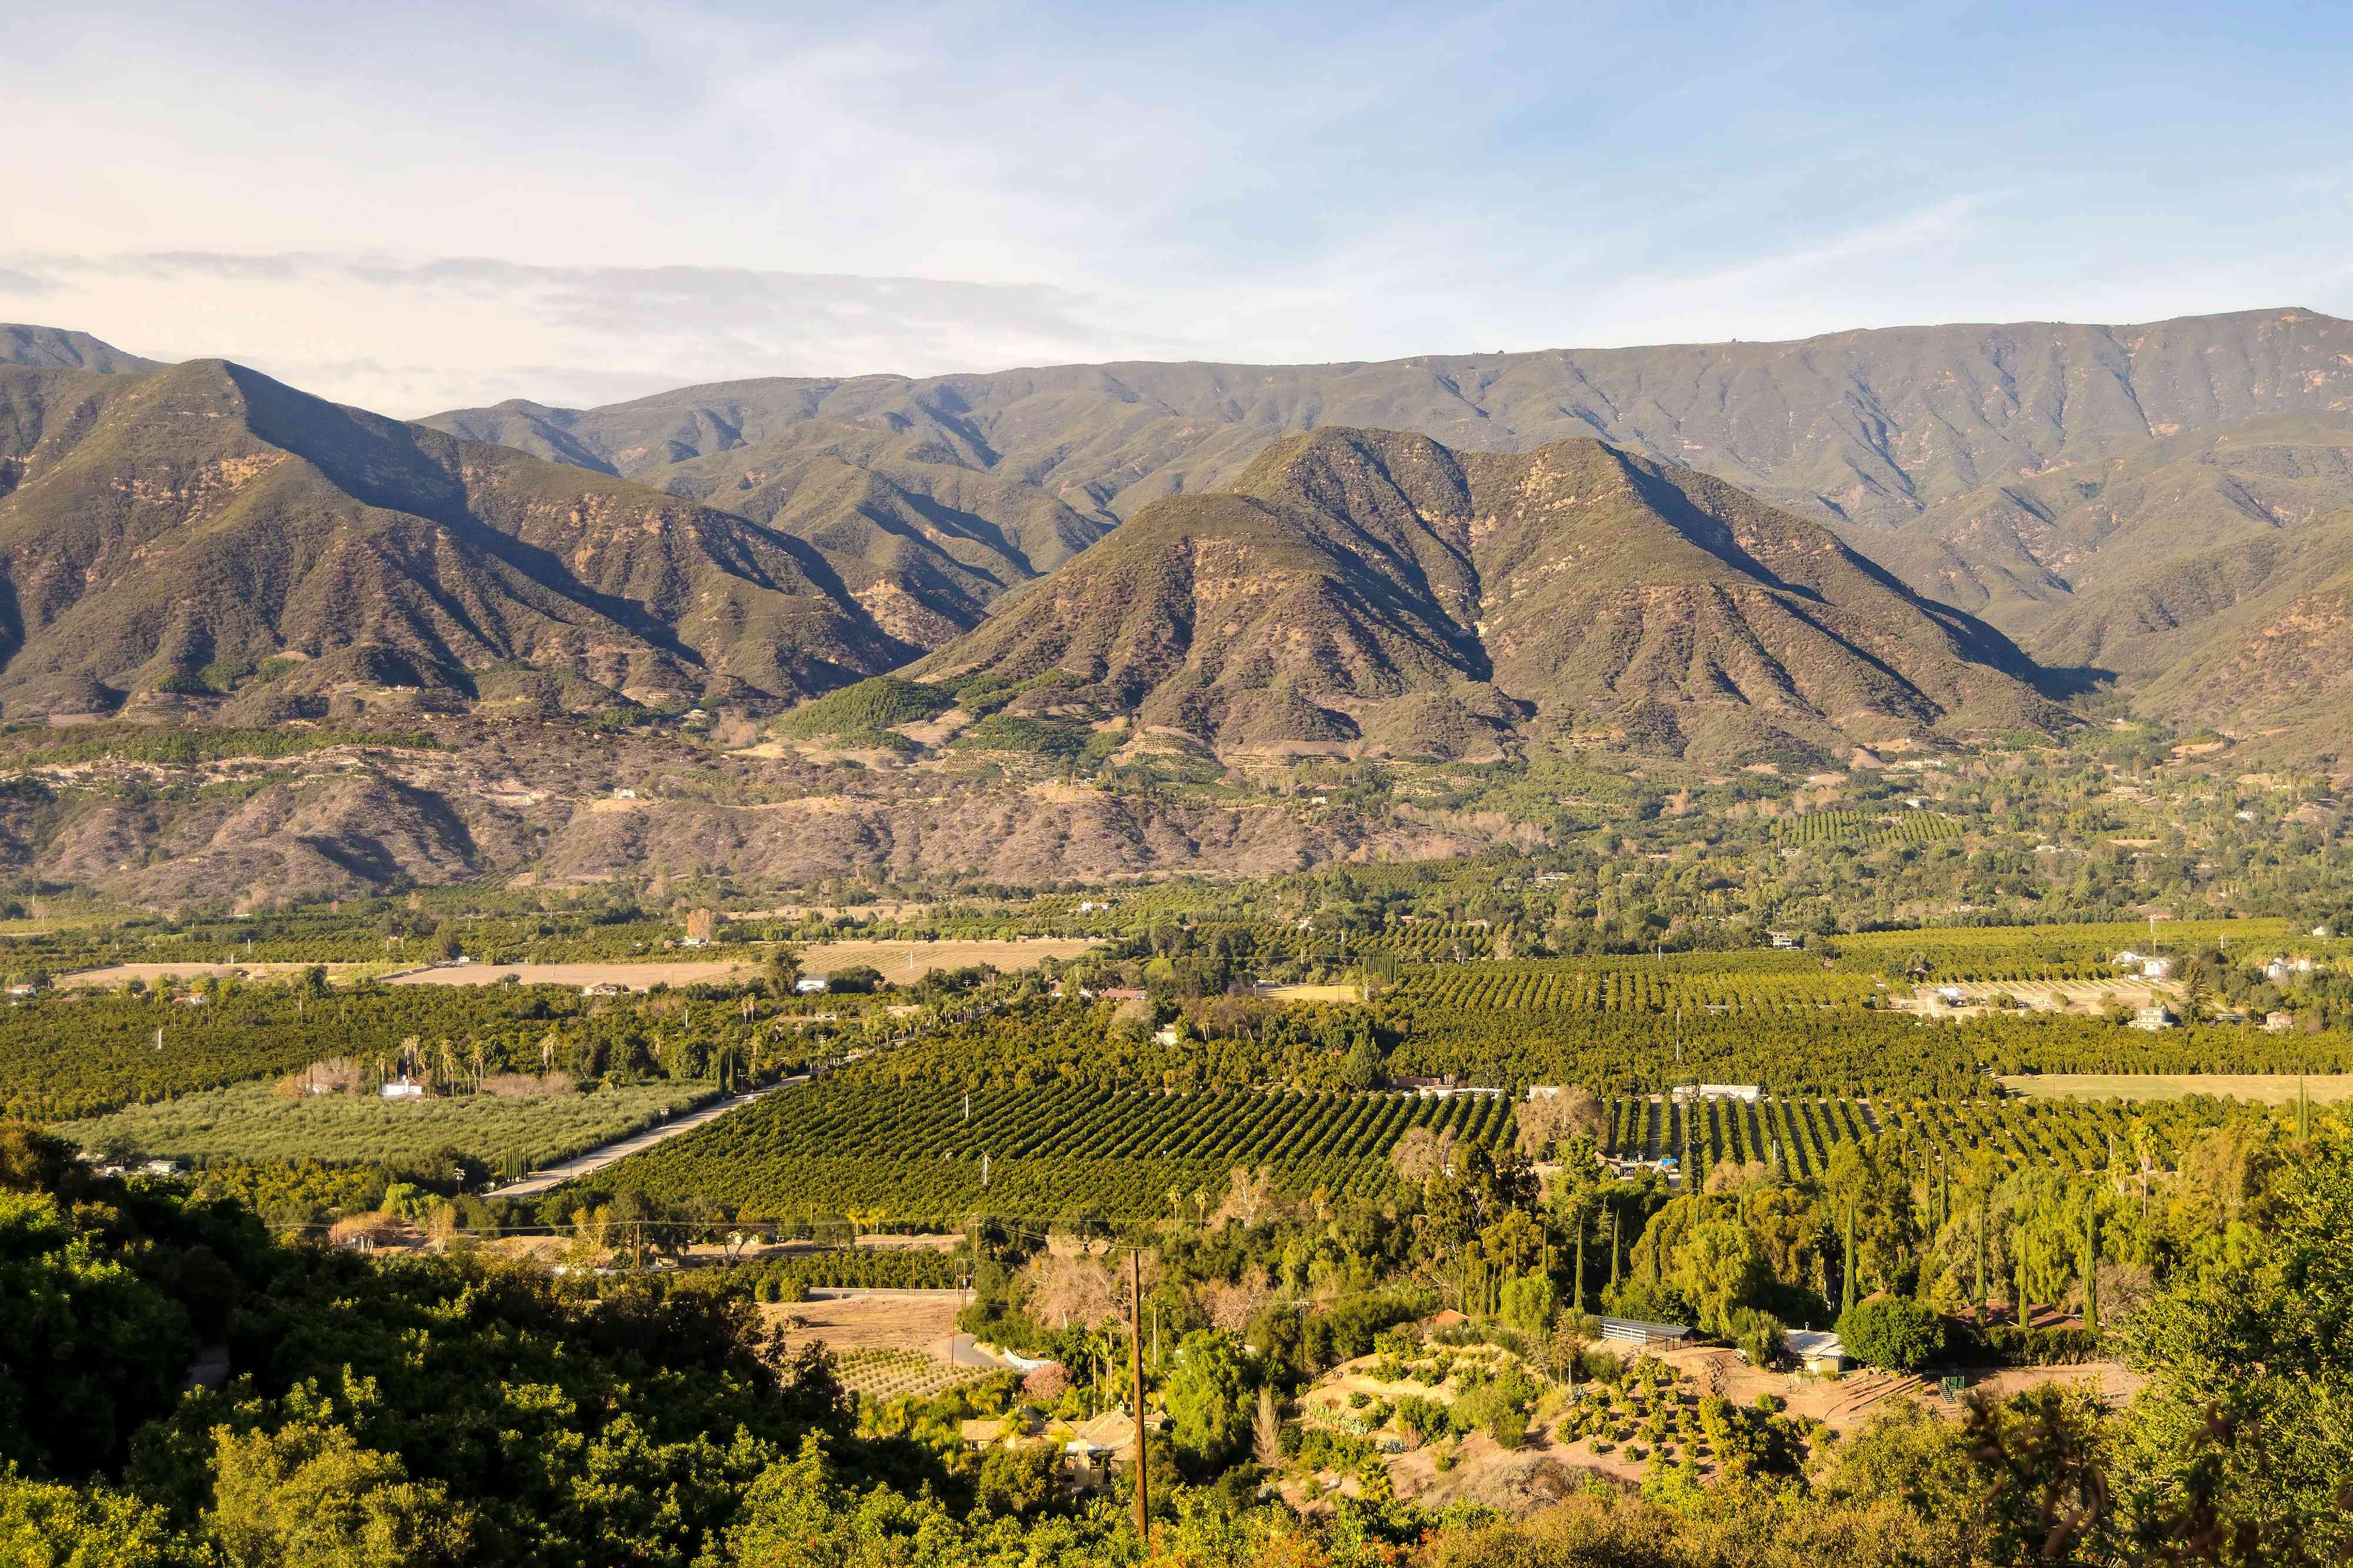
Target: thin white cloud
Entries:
(567, 334)
(441, 203)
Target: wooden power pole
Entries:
(1136, 1366)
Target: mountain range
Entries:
(200, 531)
(1931, 513)
(1356, 586)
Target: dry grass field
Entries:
(2263, 1088)
(866, 1322)
(899, 961)
(116, 973)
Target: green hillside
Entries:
(174, 534)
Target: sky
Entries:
(414, 207)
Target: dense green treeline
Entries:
(451, 1409)
(81, 1054)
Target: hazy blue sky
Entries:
(414, 207)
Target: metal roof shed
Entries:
(1633, 1331)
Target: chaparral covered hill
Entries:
(1372, 588)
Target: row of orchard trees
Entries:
(64, 1057)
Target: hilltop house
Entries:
(1098, 1447)
(1817, 1350)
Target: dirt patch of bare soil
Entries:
(1513, 1481)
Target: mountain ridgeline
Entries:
(2048, 506)
(177, 533)
(1370, 590)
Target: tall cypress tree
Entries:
(1985, 1208)
(1846, 1264)
(2090, 1265)
(2017, 1293)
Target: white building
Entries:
(1745, 1092)
(808, 984)
(1818, 1350)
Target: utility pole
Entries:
(1136, 1365)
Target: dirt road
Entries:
(555, 1176)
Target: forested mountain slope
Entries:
(1377, 588)
(2010, 470)
(187, 530)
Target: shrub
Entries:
(1530, 1304)
(1759, 1335)
(1892, 1332)
(1424, 1418)
(2007, 1344)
